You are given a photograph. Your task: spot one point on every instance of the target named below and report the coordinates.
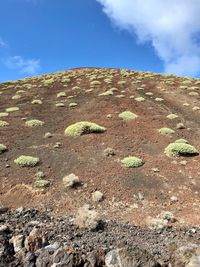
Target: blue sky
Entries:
(42, 36)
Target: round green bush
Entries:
(83, 127)
(180, 149)
(127, 115)
(34, 123)
(166, 131)
(26, 161)
(132, 162)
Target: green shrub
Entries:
(34, 123)
(59, 105)
(61, 94)
(12, 109)
(37, 101)
(172, 116)
(180, 149)
(94, 83)
(41, 183)
(108, 92)
(3, 148)
(3, 123)
(140, 99)
(193, 93)
(159, 99)
(83, 127)
(127, 115)
(132, 162)
(73, 104)
(48, 82)
(26, 161)
(16, 97)
(166, 131)
(3, 114)
(181, 141)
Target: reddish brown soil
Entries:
(84, 156)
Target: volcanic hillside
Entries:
(133, 136)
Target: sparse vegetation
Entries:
(3, 148)
(34, 123)
(37, 101)
(41, 183)
(127, 115)
(83, 127)
(12, 109)
(132, 162)
(166, 131)
(61, 94)
(140, 99)
(3, 114)
(180, 149)
(172, 116)
(27, 161)
(3, 123)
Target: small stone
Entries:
(17, 242)
(173, 199)
(34, 241)
(140, 196)
(109, 152)
(180, 126)
(155, 169)
(48, 135)
(97, 196)
(57, 145)
(70, 180)
(183, 162)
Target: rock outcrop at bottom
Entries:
(30, 238)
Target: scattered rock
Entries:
(97, 196)
(34, 241)
(48, 135)
(71, 180)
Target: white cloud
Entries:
(171, 26)
(27, 66)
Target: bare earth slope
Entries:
(162, 183)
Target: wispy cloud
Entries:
(172, 28)
(26, 66)
(2, 43)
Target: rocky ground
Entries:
(31, 238)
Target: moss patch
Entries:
(166, 131)
(83, 127)
(132, 162)
(26, 161)
(180, 149)
(127, 115)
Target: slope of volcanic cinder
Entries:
(98, 96)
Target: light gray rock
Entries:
(97, 196)
(70, 180)
(129, 257)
